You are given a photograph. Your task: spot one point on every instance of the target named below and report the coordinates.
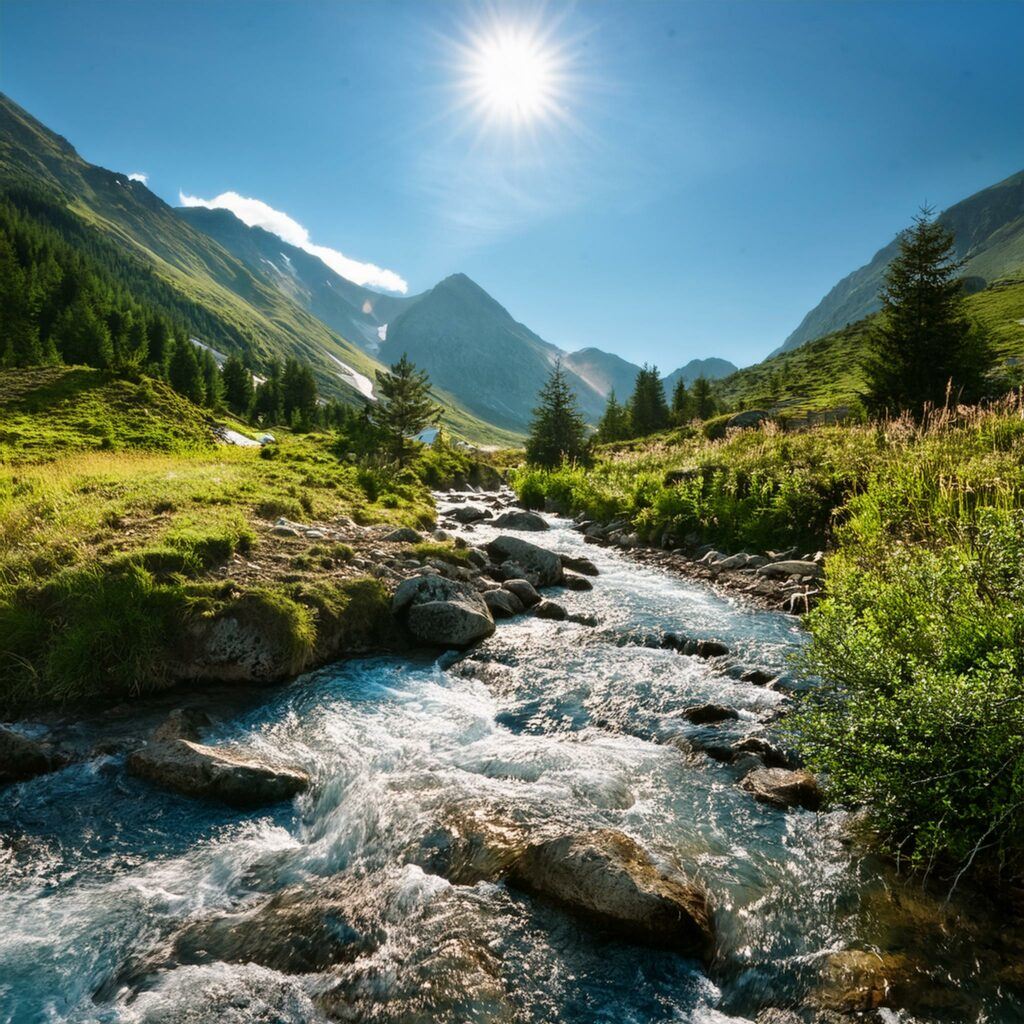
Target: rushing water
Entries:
(555, 723)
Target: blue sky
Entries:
(712, 168)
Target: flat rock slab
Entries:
(215, 773)
(784, 788)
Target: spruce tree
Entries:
(184, 372)
(236, 380)
(648, 409)
(614, 425)
(923, 344)
(298, 394)
(404, 406)
(680, 403)
(703, 399)
(557, 433)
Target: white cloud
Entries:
(138, 176)
(257, 213)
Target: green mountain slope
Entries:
(988, 228)
(827, 373)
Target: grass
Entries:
(107, 549)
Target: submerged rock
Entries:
(708, 714)
(230, 776)
(528, 521)
(784, 788)
(22, 757)
(573, 582)
(544, 564)
(297, 931)
(449, 613)
(608, 876)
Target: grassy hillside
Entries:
(828, 373)
(124, 525)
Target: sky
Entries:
(662, 180)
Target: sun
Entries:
(513, 75)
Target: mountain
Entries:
(988, 228)
(165, 261)
(471, 346)
(711, 368)
(356, 313)
(603, 371)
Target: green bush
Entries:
(921, 715)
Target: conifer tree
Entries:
(213, 388)
(923, 343)
(557, 433)
(703, 399)
(236, 379)
(298, 394)
(404, 406)
(184, 372)
(82, 337)
(648, 410)
(614, 424)
(680, 403)
(268, 406)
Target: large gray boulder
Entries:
(580, 564)
(538, 561)
(609, 877)
(22, 757)
(469, 514)
(216, 773)
(517, 520)
(449, 613)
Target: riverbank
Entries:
(432, 866)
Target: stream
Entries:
(558, 723)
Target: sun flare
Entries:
(513, 75)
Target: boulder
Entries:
(550, 610)
(571, 581)
(298, 931)
(469, 514)
(477, 558)
(404, 535)
(544, 564)
(514, 571)
(708, 714)
(517, 520)
(732, 562)
(770, 754)
(584, 566)
(524, 590)
(746, 419)
(502, 603)
(22, 757)
(230, 776)
(607, 876)
(449, 613)
(791, 567)
(784, 788)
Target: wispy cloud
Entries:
(138, 176)
(256, 213)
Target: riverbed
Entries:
(555, 724)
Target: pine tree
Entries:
(680, 403)
(648, 409)
(923, 343)
(236, 380)
(268, 405)
(614, 425)
(213, 389)
(184, 372)
(298, 394)
(703, 399)
(557, 433)
(82, 336)
(404, 406)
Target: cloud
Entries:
(257, 213)
(138, 176)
